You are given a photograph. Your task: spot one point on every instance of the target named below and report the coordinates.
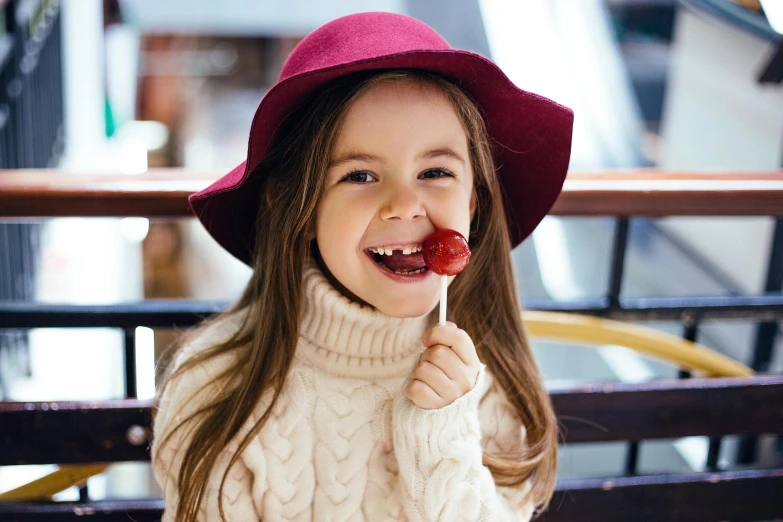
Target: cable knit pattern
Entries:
(343, 442)
(440, 458)
(282, 457)
(183, 397)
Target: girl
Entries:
(326, 393)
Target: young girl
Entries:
(327, 392)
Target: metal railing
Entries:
(31, 134)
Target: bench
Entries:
(118, 431)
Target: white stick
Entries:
(443, 285)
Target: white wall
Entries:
(716, 117)
(270, 17)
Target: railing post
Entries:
(766, 332)
(619, 247)
(129, 344)
(690, 332)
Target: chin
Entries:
(407, 309)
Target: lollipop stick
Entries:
(443, 286)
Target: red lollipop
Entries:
(446, 252)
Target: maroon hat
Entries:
(532, 134)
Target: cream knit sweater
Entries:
(344, 443)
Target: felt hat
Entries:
(531, 134)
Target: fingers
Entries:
(445, 359)
(423, 396)
(436, 379)
(447, 369)
(456, 339)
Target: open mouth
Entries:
(407, 260)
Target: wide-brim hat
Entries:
(531, 134)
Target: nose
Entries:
(402, 203)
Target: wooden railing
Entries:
(72, 433)
(163, 192)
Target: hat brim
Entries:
(531, 137)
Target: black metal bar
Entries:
(84, 494)
(690, 333)
(129, 344)
(632, 458)
(766, 332)
(713, 453)
(172, 313)
(619, 247)
(759, 308)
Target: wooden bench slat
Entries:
(671, 409)
(165, 313)
(74, 433)
(144, 510)
(739, 496)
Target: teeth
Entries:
(406, 250)
(413, 272)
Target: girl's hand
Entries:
(447, 369)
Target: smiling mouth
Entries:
(403, 261)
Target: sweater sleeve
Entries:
(439, 453)
(182, 397)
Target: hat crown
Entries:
(361, 36)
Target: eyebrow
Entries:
(361, 156)
(441, 152)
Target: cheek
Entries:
(335, 219)
(452, 211)
(327, 230)
(338, 230)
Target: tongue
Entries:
(400, 262)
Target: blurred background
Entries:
(111, 86)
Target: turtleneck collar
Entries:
(348, 339)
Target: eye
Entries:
(358, 176)
(436, 174)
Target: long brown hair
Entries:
(483, 298)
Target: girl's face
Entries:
(400, 170)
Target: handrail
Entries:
(582, 329)
(163, 193)
(738, 14)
